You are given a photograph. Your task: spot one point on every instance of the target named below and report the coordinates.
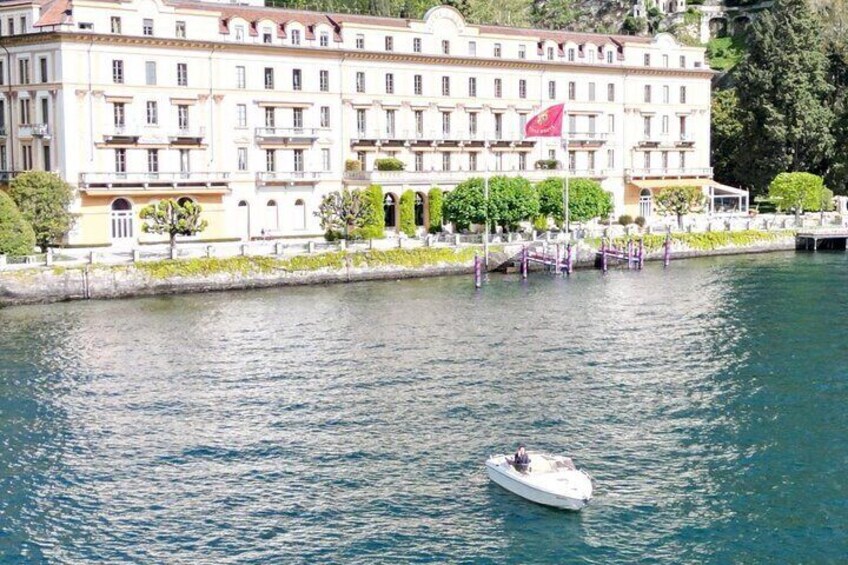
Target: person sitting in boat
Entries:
(521, 460)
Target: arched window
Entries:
(390, 210)
(299, 215)
(122, 220)
(420, 212)
(272, 218)
(243, 220)
(645, 203)
(181, 201)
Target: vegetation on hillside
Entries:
(723, 53)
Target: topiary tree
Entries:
(798, 191)
(43, 200)
(16, 235)
(374, 226)
(434, 203)
(586, 199)
(407, 213)
(343, 212)
(679, 201)
(464, 205)
(173, 218)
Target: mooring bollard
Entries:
(478, 276)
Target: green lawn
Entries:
(724, 52)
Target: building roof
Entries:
(54, 12)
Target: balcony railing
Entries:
(34, 130)
(188, 133)
(669, 172)
(288, 177)
(436, 136)
(153, 180)
(587, 137)
(286, 134)
(436, 177)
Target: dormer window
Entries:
(390, 43)
(360, 41)
(239, 33)
(550, 53)
(116, 24)
(445, 47)
(416, 44)
(266, 36)
(571, 55)
(180, 29)
(295, 37)
(472, 48)
(647, 59)
(324, 39)
(609, 57)
(147, 27)
(522, 51)
(497, 51)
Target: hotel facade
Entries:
(256, 113)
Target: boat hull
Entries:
(506, 477)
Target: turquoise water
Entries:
(349, 424)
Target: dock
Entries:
(815, 240)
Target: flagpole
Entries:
(486, 210)
(565, 179)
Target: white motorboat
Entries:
(552, 480)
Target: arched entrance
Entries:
(272, 218)
(299, 215)
(243, 220)
(390, 210)
(122, 223)
(420, 209)
(646, 200)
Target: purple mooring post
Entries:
(630, 254)
(569, 259)
(478, 272)
(641, 253)
(557, 262)
(667, 251)
(604, 255)
(525, 259)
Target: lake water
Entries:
(349, 423)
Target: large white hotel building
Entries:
(254, 111)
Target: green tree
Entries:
(726, 131)
(798, 192)
(44, 200)
(512, 200)
(783, 90)
(464, 205)
(173, 218)
(16, 236)
(434, 203)
(634, 26)
(343, 212)
(553, 14)
(374, 225)
(586, 199)
(407, 213)
(679, 201)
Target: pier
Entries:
(815, 240)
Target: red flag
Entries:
(547, 123)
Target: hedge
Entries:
(16, 236)
(434, 202)
(375, 224)
(407, 213)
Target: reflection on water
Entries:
(349, 423)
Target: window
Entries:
(297, 118)
(445, 86)
(241, 157)
(269, 78)
(324, 81)
(270, 117)
(26, 154)
(185, 162)
(42, 69)
(152, 160)
(120, 160)
(298, 160)
(572, 160)
(150, 73)
(2, 77)
(610, 158)
(522, 161)
(472, 87)
(682, 159)
(118, 72)
(325, 116)
(591, 156)
(445, 47)
(419, 161)
(522, 88)
(416, 45)
(115, 24)
(572, 123)
(180, 29)
(23, 68)
(472, 161)
(360, 82)
(665, 60)
(119, 115)
(11, 26)
(683, 61)
(498, 88)
(647, 59)
(571, 55)
(323, 39)
(683, 95)
(390, 123)
(266, 36)
(446, 123)
(419, 123)
(295, 37)
(497, 50)
(361, 123)
(610, 92)
(552, 89)
(25, 111)
(592, 124)
(665, 124)
(550, 52)
(665, 94)
(611, 123)
(182, 117)
(325, 159)
(647, 93)
(147, 26)
(552, 154)
(646, 126)
(472, 48)
(572, 91)
(240, 77)
(239, 33)
(498, 126)
(270, 160)
(446, 161)
(682, 123)
(610, 57)
(390, 43)
(664, 159)
(297, 79)
(417, 84)
(390, 83)
(182, 74)
(522, 51)
(360, 41)
(241, 115)
(152, 113)
(591, 92)
(472, 123)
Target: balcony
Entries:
(428, 178)
(213, 182)
(686, 140)
(437, 137)
(291, 178)
(122, 134)
(187, 136)
(669, 173)
(285, 136)
(29, 131)
(652, 139)
(587, 138)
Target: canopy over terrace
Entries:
(721, 199)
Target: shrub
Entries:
(625, 219)
(172, 218)
(16, 235)
(43, 200)
(586, 199)
(434, 203)
(640, 221)
(547, 164)
(540, 223)
(353, 165)
(389, 164)
(407, 213)
(374, 226)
